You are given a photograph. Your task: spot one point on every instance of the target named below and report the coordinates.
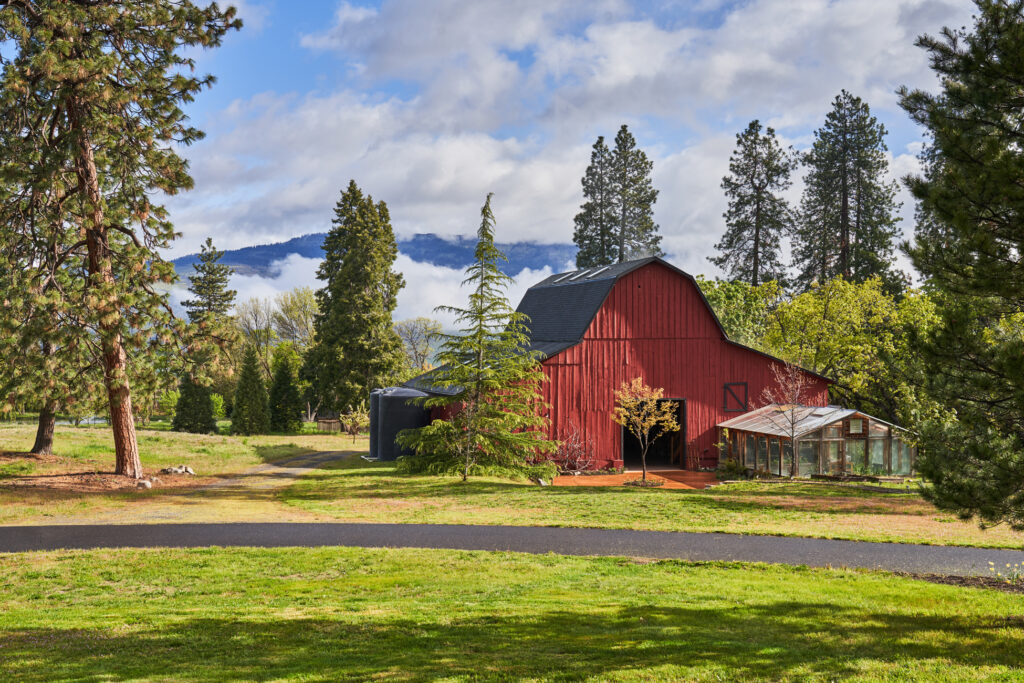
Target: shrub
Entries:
(251, 414)
(286, 406)
(445, 466)
(575, 452)
(194, 411)
(218, 406)
(731, 468)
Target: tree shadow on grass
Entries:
(781, 640)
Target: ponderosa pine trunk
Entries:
(115, 360)
(44, 431)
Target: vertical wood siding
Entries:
(654, 324)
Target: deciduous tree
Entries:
(294, 316)
(644, 413)
(418, 337)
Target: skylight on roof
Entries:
(580, 274)
(598, 271)
(565, 276)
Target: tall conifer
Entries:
(355, 347)
(968, 246)
(616, 222)
(493, 379)
(848, 222)
(286, 405)
(758, 216)
(94, 89)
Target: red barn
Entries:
(600, 327)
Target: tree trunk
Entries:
(44, 432)
(115, 360)
(643, 462)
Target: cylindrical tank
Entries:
(398, 410)
(375, 423)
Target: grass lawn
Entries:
(353, 490)
(91, 449)
(355, 614)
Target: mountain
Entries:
(425, 248)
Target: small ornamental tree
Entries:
(286, 405)
(791, 389)
(493, 379)
(643, 412)
(250, 413)
(194, 411)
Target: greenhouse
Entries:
(829, 440)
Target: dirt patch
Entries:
(971, 582)
(101, 482)
(12, 456)
(913, 506)
(681, 479)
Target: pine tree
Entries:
(848, 222)
(250, 413)
(968, 245)
(498, 414)
(616, 222)
(596, 222)
(758, 216)
(286, 406)
(90, 107)
(355, 348)
(194, 409)
(209, 286)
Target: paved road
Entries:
(566, 541)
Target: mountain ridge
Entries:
(260, 259)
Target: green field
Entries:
(353, 490)
(352, 614)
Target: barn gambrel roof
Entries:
(561, 307)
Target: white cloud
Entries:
(508, 97)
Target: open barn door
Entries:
(667, 452)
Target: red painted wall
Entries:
(654, 324)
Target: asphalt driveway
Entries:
(814, 552)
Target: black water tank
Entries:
(375, 423)
(397, 410)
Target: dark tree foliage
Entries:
(209, 286)
(968, 245)
(355, 347)
(616, 222)
(286, 404)
(758, 216)
(848, 222)
(250, 413)
(91, 118)
(194, 411)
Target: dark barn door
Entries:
(669, 450)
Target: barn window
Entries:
(735, 397)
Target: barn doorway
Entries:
(667, 452)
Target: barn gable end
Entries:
(641, 319)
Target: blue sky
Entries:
(430, 104)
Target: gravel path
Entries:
(814, 552)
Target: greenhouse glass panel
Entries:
(833, 458)
(748, 458)
(773, 457)
(808, 458)
(762, 453)
(787, 459)
(876, 456)
(900, 457)
(834, 432)
(856, 457)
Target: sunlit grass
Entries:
(352, 614)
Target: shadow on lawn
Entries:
(798, 640)
(344, 480)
